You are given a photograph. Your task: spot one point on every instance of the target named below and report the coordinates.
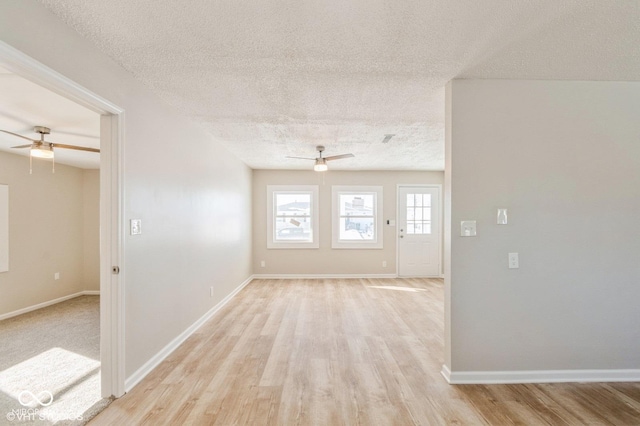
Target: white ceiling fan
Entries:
(44, 149)
(321, 162)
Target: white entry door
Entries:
(418, 230)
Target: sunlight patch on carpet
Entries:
(59, 384)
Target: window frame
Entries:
(421, 221)
(272, 191)
(336, 242)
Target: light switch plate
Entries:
(468, 228)
(136, 226)
(502, 217)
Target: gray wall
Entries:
(193, 196)
(564, 158)
(326, 260)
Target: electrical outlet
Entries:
(56, 276)
(263, 263)
(384, 263)
(514, 262)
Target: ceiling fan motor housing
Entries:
(42, 130)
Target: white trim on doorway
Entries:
(111, 206)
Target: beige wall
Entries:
(192, 195)
(326, 260)
(91, 229)
(564, 158)
(46, 227)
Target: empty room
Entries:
(374, 213)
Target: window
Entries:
(292, 216)
(419, 214)
(357, 213)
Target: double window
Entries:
(293, 219)
(292, 216)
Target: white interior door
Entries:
(418, 230)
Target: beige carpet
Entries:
(50, 365)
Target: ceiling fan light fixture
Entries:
(42, 151)
(321, 165)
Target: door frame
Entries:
(111, 207)
(438, 187)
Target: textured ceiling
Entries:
(273, 78)
(24, 105)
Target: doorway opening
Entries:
(110, 210)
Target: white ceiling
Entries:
(273, 78)
(24, 105)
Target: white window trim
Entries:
(315, 217)
(336, 243)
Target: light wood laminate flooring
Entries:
(344, 352)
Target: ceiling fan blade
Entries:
(301, 158)
(20, 136)
(23, 146)
(338, 157)
(78, 148)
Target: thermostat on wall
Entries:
(468, 228)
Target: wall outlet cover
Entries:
(514, 261)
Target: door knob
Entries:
(401, 236)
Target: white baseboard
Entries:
(446, 373)
(539, 376)
(319, 276)
(142, 372)
(47, 303)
